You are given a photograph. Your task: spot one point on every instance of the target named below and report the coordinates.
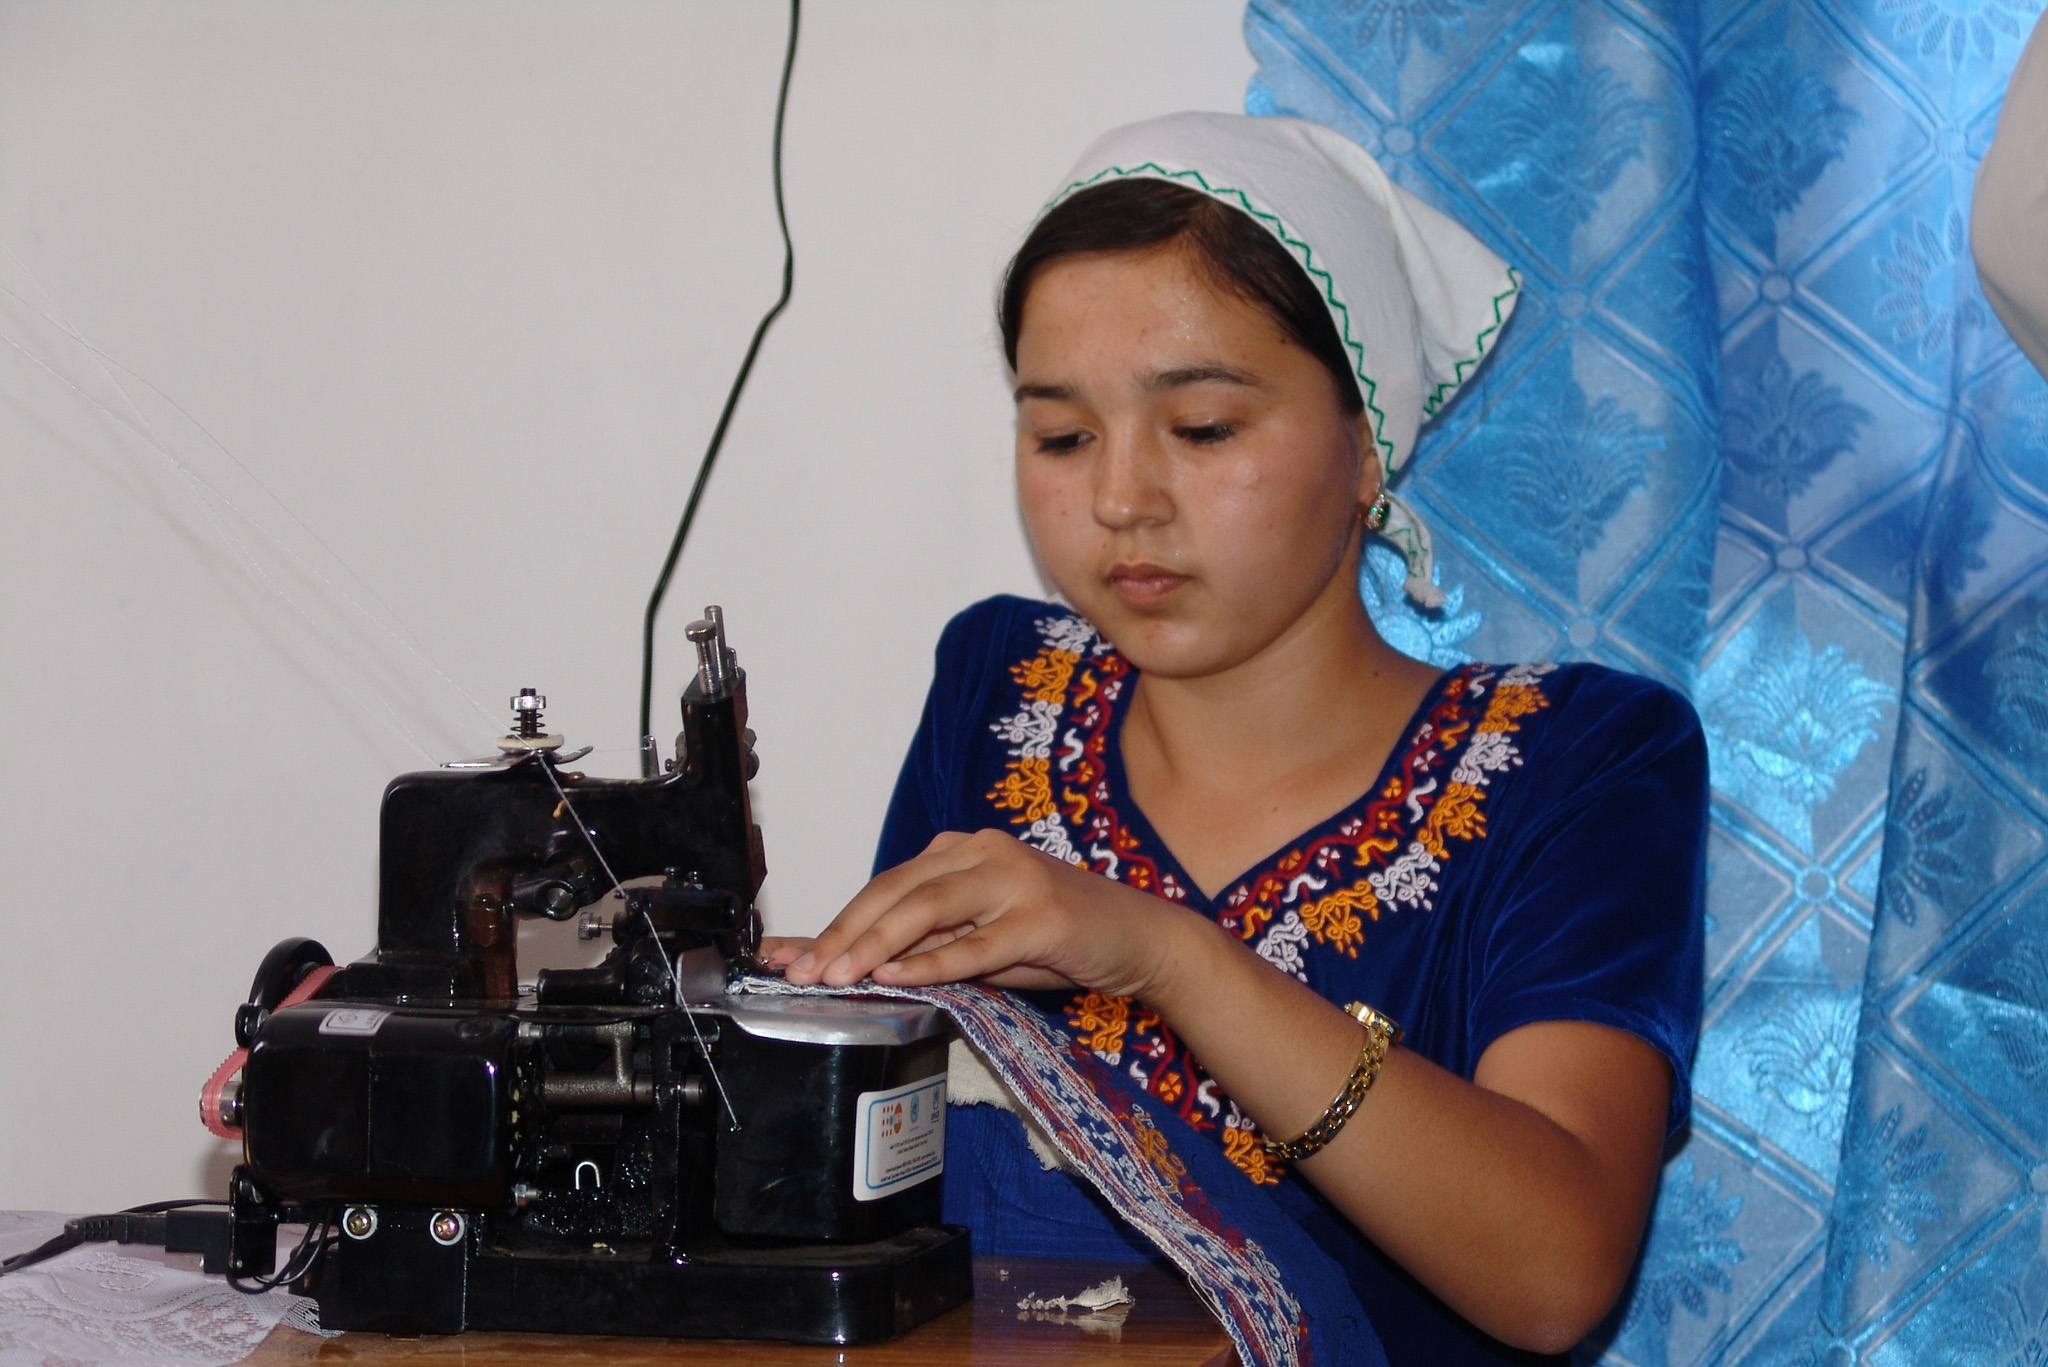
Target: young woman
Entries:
(1206, 808)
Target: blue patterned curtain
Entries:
(1755, 432)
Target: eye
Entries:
(1061, 443)
(1206, 434)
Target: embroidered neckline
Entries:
(1313, 897)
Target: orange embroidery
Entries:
(1025, 789)
(1044, 677)
(1377, 845)
(1334, 919)
(1156, 1149)
(1396, 841)
(1103, 1018)
(1244, 1148)
(1456, 813)
(1511, 701)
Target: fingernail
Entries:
(805, 962)
(842, 964)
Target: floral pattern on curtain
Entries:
(1754, 431)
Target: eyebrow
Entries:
(1156, 383)
(1198, 374)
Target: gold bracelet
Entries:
(1381, 1035)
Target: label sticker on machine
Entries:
(353, 1020)
(899, 1139)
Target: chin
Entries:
(1165, 646)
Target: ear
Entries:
(1371, 474)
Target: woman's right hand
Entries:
(988, 907)
(778, 952)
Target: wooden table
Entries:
(1167, 1327)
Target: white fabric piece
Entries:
(2009, 212)
(94, 1305)
(1098, 1297)
(970, 1083)
(1416, 299)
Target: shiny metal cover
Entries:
(834, 1020)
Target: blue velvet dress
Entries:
(1532, 851)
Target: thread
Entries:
(675, 981)
(206, 493)
(406, 639)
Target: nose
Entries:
(1131, 482)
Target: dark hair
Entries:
(1238, 255)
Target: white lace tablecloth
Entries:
(127, 1304)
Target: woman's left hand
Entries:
(988, 907)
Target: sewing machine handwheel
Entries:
(282, 969)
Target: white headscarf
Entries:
(1416, 299)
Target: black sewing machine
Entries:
(623, 1149)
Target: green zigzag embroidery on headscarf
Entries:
(1464, 368)
(1306, 255)
(1302, 251)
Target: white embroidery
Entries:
(1030, 732)
(1415, 796)
(1071, 634)
(1302, 880)
(1281, 945)
(1489, 753)
(1406, 881)
(1049, 835)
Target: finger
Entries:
(993, 873)
(939, 908)
(945, 935)
(942, 856)
(780, 951)
(985, 953)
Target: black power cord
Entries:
(181, 1227)
(155, 1223)
(318, 1235)
(732, 400)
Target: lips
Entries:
(1144, 584)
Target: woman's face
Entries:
(1187, 474)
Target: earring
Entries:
(1374, 515)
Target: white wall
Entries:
(460, 285)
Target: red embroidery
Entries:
(1384, 854)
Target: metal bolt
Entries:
(446, 1227)
(526, 709)
(359, 1222)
